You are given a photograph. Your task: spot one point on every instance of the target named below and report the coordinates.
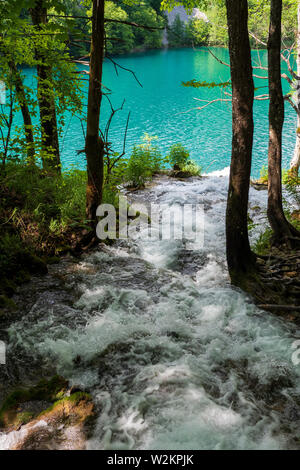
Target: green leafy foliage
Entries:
(178, 156)
(215, 32)
(179, 159)
(263, 176)
(192, 169)
(292, 185)
(263, 243)
(19, 42)
(144, 161)
(120, 37)
(143, 38)
(188, 4)
(139, 167)
(196, 84)
(123, 38)
(197, 32)
(177, 35)
(48, 197)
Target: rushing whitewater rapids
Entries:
(174, 357)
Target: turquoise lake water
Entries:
(163, 107)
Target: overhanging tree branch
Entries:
(135, 25)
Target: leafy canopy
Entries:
(188, 4)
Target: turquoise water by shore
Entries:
(163, 107)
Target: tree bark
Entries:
(240, 259)
(49, 130)
(282, 229)
(295, 163)
(94, 146)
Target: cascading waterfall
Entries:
(174, 357)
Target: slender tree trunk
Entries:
(6, 140)
(239, 256)
(281, 227)
(94, 146)
(295, 163)
(21, 97)
(49, 130)
(22, 100)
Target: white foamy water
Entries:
(174, 357)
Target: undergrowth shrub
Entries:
(263, 175)
(292, 185)
(192, 168)
(50, 199)
(144, 162)
(179, 159)
(139, 168)
(178, 156)
(263, 243)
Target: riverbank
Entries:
(170, 353)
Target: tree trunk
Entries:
(240, 259)
(295, 163)
(49, 131)
(22, 100)
(21, 97)
(94, 146)
(281, 227)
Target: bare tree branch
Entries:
(135, 25)
(262, 97)
(217, 58)
(291, 102)
(116, 65)
(208, 102)
(258, 39)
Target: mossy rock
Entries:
(66, 425)
(23, 418)
(45, 392)
(180, 174)
(259, 185)
(72, 400)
